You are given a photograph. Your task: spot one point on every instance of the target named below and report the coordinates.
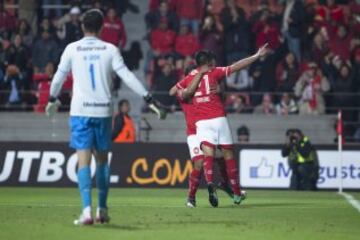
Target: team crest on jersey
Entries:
(196, 150)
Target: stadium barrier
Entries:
(163, 165)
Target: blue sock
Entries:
(84, 180)
(102, 183)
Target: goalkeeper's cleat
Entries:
(102, 216)
(238, 199)
(213, 198)
(85, 218)
(226, 188)
(191, 203)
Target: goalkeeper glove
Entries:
(155, 107)
(52, 106)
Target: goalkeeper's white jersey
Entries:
(92, 63)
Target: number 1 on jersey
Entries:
(92, 76)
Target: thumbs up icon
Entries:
(263, 170)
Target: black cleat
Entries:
(227, 189)
(213, 199)
(191, 203)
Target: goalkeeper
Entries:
(92, 62)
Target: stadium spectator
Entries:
(28, 10)
(310, 89)
(318, 48)
(113, 29)
(237, 103)
(153, 18)
(263, 71)
(186, 43)
(266, 31)
(239, 81)
(339, 42)
(236, 32)
(73, 30)
(162, 39)
(341, 81)
(24, 30)
(190, 12)
(287, 105)
(44, 50)
(302, 159)
(287, 73)
(211, 38)
(47, 26)
(292, 26)
(7, 22)
(163, 83)
(243, 134)
(124, 130)
(266, 107)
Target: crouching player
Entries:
(92, 62)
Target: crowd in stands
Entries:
(313, 66)
(314, 60)
(29, 53)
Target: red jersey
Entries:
(207, 102)
(162, 41)
(189, 114)
(114, 32)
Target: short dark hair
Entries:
(122, 102)
(243, 130)
(202, 57)
(93, 20)
(189, 68)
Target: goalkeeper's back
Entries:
(92, 62)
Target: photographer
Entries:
(302, 159)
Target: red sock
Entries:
(194, 181)
(222, 169)
(208, 169)
(233, 174)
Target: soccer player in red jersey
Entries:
(184, 98)
(212, 127)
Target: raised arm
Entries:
(244, 63)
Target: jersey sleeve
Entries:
(183, 84)
(61, 73)
(65, 61)
(219, 73)
(126, 75)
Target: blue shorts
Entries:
(90, 133)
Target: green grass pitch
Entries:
(43, 213)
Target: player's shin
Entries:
(102, 183)
(194, 178)
(208, 169)
(233, 174)
(84, 182)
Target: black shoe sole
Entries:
(213, 196)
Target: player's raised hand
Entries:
(263, 50)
